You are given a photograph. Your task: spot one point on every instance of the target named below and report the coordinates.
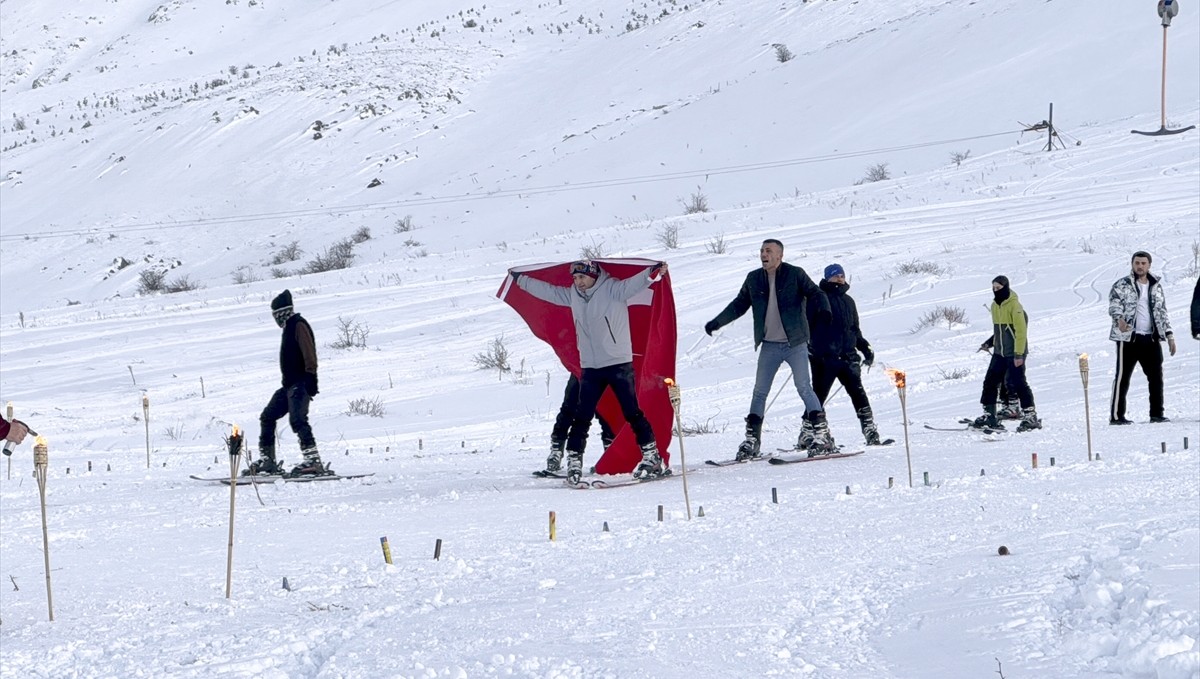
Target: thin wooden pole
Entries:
(146, 417)
(676, 401)
(1084, 371)
(8, 411)
(907, 451)
(235, 453)
(41, 461)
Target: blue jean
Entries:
(771, 355)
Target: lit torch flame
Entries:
(1083, 361)
(236, 431)
(668, 381)
(897, 377)
(40, 442)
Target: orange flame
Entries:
(668, 381)
(236, 431)
(40, 441)
(897, 377)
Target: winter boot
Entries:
(265, 464)
(988, 419)
(554, 459)
(311, 465)
(822, 443)
(1029, 420)
(651, 464)
(870, 432)
(751, 448)
(806, 435)
(1011, 410)
(574, 466)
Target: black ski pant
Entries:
(1002, 370)
(566, 415)
(592, 384)
(293, 402)
(1145, 350)
(844, 369)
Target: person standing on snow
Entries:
(1138, 307)
(1009, 349)
(298, 365)
(777, 294)
(833, 354)
(562, 426)
(1196, 311)
(599, 307)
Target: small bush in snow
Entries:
(151, 280)
(950, 315)
(289, 253)
(182, 284)
(244, 274)
(350, 334)
(403, 225)
(371, 407)
(362, 235)
(495, 358)
(782, 53)
(698, 202)
(696, 428)
(336, 256)
(280, 272)
(716, 245)
(958, 157)
(875, 173)
(956, 374)
(668, 236)
(593, 251)
(917, 266)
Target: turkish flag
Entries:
(652, 330)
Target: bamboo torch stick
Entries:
(41, 459)
(235, 453)
(8, 415)
(146, 418)
(1087, 406)
(673, 390)
(898, 379)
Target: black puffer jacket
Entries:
(842, 336)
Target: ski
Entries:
(840, 448)
(546, 474)
(620, 482)
(272, 478)
(730, 463)
(885, 442)
(985, 430)
(796, 460)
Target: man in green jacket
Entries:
(1009, 348)
(777, 295)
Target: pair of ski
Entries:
(601, 483)
(272, 478)
(776, 459)
(969, 426)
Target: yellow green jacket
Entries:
(1009, 327)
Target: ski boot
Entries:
(751, 448)
(1011, 410)
(867, 420)
(554, 459)
(651, 464)
(822, 443)
(987, 420)
(1029, 420)
(311, 465)
(806, 435)
(265, 465)
(574, 466)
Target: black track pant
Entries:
(592, 384)
(844, 369)
(1145, 350)
(293, 402)
(1002, 371)
(566, 414)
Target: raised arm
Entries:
(544, 291)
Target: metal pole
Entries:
(1164, 79)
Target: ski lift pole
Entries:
(1167, 10)
(673, 391)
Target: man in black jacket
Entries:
(298, 364)
(777, 293)
(833, 353)
(1196, 311)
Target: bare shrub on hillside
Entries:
(697, 428)
(1086, 246)
(696, 203)
(716, 245)
(151, 280)
(371, 407)
(362, 235)
(668, 236)
(875, 173)
(280, 272)
(336, 256)
(288, 253)
(957, 157)
(244, 274)
(782, 53)
(955, 374)
(350, 334)
(950, 315)
(495, 358)
(182, 284)
(917, 266)
(403, 225)
(593, 251)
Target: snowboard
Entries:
(797, 460)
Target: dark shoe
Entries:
(867, 420)
(806, 435)
(987, 420)
(263, 466)
(574, 466)
(822, 443)
(311, 466)
(1029, 420)
(554, 459)
(1157, 420)
(751, 447)
(1120, 421)
(1011, 410)
(651, 464)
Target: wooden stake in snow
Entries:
(775, 495)
(146, 418)
(387, 551)
(1087, 406)
(673, 391)
(899, 379)
(202, 394)
(8, 415)
(41, 459)
(437, 550)
(235, 461)
(553, 527)
(1034, 456)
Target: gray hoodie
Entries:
(601, 315)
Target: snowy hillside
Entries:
(516, 133)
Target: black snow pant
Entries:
(293, 402)
(1001, 370)
(566, 415)
(845, 369)
(592, 384)
(1145, 350)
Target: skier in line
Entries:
(1008, 401)
(777, 294)
(599, 307)
(298, 365)
(1010, 346)
(833, 354)
(562, 426)
(1138, 307)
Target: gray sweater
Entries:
(601, 315)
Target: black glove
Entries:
(310, 384)
(711, 327)
(868, 357)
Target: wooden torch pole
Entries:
(146, 418)
(673, 390)
(1087, 407)
(41, 458)
(235, 453)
